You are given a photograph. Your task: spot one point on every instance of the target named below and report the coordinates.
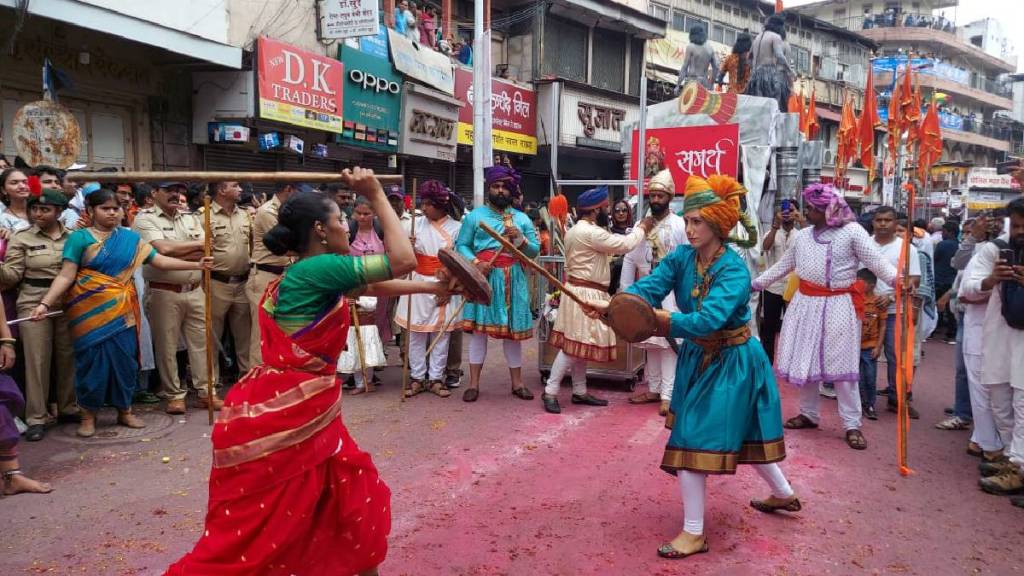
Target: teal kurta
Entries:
(508, 316)
(727, 413)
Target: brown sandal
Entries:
(773, 504)
(415, 387)
(437, 387)
(471, 394)
(856, 440)
(645, 398)
(799, 422)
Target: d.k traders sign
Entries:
(299, 87)
(373, 101)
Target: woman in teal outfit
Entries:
(725, 407)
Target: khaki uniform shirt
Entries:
(266, 218)
(32, 255)
(232, 240)
(153, 224)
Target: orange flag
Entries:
(908, 115)
(793, 105)
(894, 124)
(931, 141)
(812, 119)
(866, 127)
(914, 118)
(847, 139)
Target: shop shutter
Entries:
(230, 159)
(421, 169)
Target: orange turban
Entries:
(718, 200)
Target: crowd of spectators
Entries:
(422, 25)
(891, 18)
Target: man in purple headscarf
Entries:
(820, 339)
(508, 316)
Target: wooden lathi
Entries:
(155, 177)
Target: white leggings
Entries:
(565, 364)
(418, 344)
(478, 350)
(693, 487)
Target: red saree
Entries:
(290, 492)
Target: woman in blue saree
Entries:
(102, 308)
(725, 406)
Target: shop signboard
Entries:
(299, 87)
(421, 63)
(689, 151)
(513, 108)
(989, 178)
(373, 101)
(348, 18)
(429, 123)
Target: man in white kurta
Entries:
(669, 232)
(820, 339)
(1002, 368)
(588, 248)
(434, 230)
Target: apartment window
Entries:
(610, 53)
(719, 6)
(730, 36)
(867, 9)
(683, 22)
(566, 43)
(658, 11)
(636, 65)
(801, 59)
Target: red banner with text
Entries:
(689, 150)
(299, 87)
(513, 109)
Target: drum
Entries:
(476, 289)
(631, 317)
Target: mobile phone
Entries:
(787, 205)
(1008, 256)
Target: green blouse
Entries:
(312, 286)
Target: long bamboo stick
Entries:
(367, 381)
(408, 301)
(208, 321)
(205, 176)
(529, 263)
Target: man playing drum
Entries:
(588, 245)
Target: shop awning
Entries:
(130, 28)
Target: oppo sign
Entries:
(371, 82)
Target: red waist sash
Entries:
(427, 265)
(503, 261)
(855, 290)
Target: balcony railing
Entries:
(893, 20)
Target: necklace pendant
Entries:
(695, 292)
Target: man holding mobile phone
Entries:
(996, 272)
(776, 242)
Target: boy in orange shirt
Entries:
(872, 339)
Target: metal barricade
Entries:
(627, 367)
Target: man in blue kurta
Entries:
(508, 316)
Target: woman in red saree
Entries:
(290, 491)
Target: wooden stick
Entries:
(310, 177)
(367, 382)
(208, 289)
(458, 310)
(408, 301)
(529, 263)
(17, 321)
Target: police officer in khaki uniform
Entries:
(34, 258)
(232, 241)
(175, 303)
(266, 266)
